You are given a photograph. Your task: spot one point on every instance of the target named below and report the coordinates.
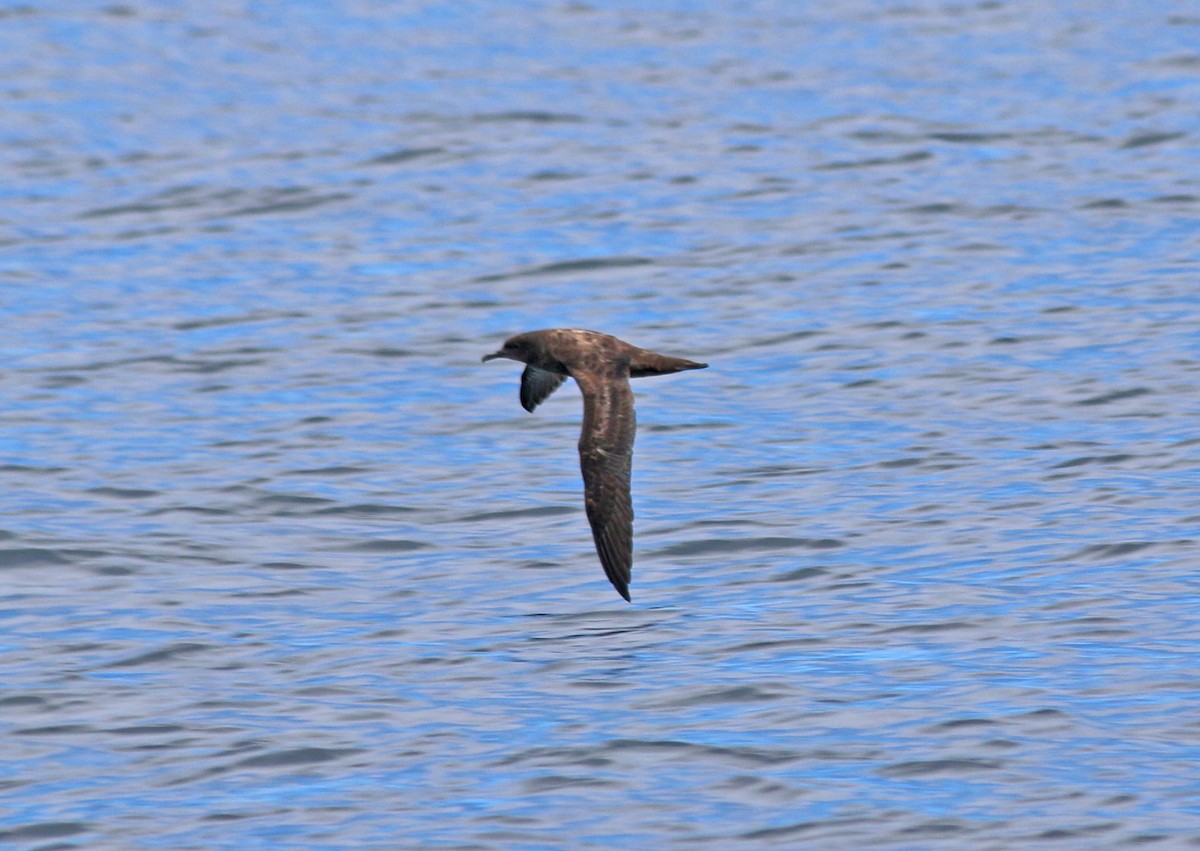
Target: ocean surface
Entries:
(917, 559)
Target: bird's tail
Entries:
(643, 363)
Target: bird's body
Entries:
(602, 366)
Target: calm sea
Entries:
(283, 565)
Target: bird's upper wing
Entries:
(605, 456)
(537, 384)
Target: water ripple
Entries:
(915, 557)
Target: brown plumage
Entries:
(602, 366)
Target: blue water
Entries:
(284, 565)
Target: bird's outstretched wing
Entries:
(605, 457)
(537, 384)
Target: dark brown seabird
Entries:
(602, 366)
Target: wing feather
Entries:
(537, 384)
(605, 457)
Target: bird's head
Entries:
(515, 348)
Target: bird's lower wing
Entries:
(605, 457)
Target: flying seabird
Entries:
(602, 366)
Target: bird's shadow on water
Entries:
(591, 625)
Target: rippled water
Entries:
(283, 564)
